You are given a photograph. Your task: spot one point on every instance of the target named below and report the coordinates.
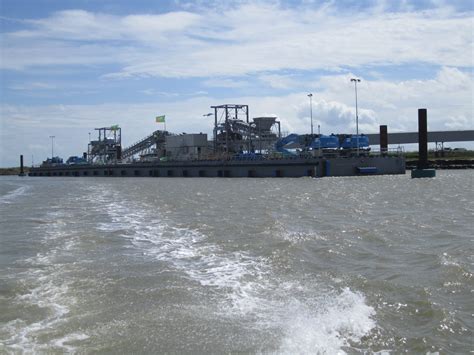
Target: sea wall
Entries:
(292, 167)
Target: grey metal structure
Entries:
(225, 116)
(156, 139)
(433, 136)
(108, 147)
(187, 146)
(262, 135)
(235, 133)
(230, 154)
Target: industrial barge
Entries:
(240, 147)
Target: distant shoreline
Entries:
(13, 171)
(441, 164)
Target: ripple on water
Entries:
(44, 302)
(257, 265)
(11, 195)
(242, 286)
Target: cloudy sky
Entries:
(70, 66)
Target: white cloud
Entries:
(448, 94)
(381, 102)
(83, 25)
(233, 47)
(278, 81)
(245, 39)
(168, 94)
(226, 83)
(458, 122)
(32, 86)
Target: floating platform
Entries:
(284, 167)
(423, 173)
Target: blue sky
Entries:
(70, 66)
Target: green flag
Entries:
(160, 119)
(115, 127)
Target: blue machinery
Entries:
(293, 143)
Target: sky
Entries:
(69, 66)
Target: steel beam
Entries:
(434, 136)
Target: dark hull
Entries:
(291, 167)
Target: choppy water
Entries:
(332, 265)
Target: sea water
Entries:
(322, 266)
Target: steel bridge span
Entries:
(433, 136)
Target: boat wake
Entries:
(297, 315)
(45, 303)
(10, 196)
(326, 325)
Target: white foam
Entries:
(56, 300)
(205, 263)
(327, 326)
(247, 286)
(49, 292)
(448, 260)
(12, 195)
(190, 252)
(62, 343)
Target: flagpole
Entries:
(161, 119)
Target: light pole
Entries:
(319, 140)
(89, 147)
(52, 147)
(310, 95)
(356, 80)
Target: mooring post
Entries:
(422, 139)
(22, 171)
(422, 167)
(383, 139)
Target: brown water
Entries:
(353, 265)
